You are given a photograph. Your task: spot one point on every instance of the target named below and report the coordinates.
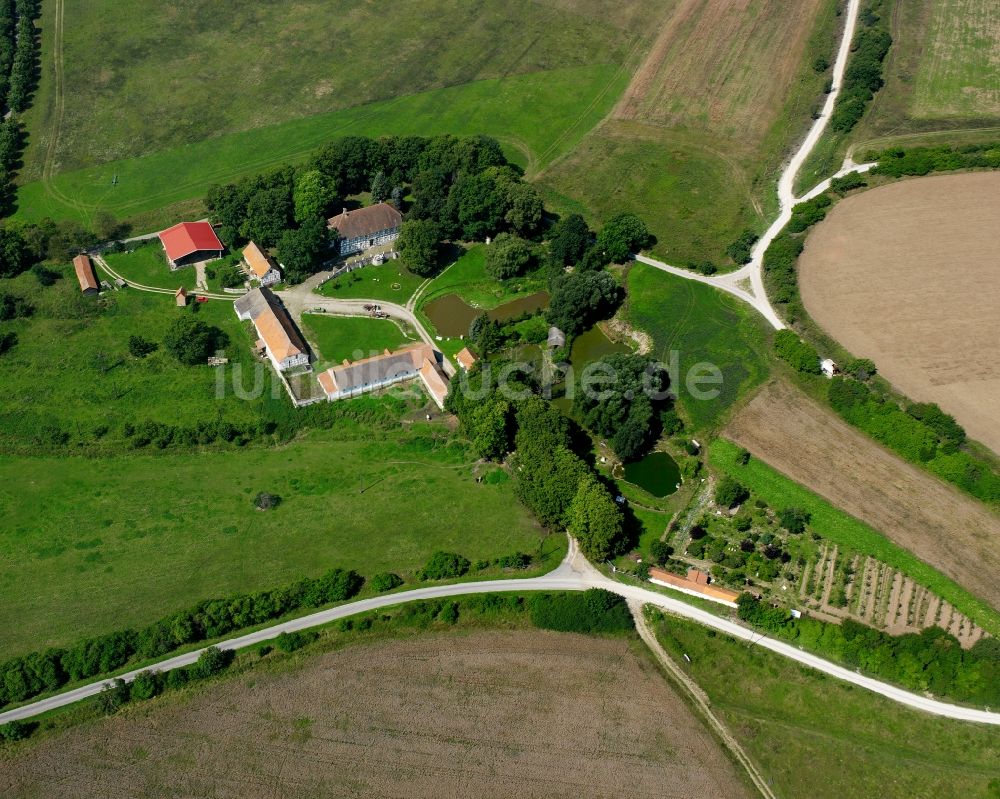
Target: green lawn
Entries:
(699, 325)
(539, 116)
(89, 545)
(147, 266)
(389, 281)
(335, 338)
(71, 365)
(814, 736)
(779, 491)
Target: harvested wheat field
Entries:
(517, 714)
(723, 65)
(909, 275)
(814, 447)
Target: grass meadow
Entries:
(71, 366)
(335, 338)
(702, 325)
(844, 530)
(812, 735)
(531, 114)
(90, 545)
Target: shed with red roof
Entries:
(190, 242)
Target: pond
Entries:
(657, 473)
(451, 315)
(591, 346)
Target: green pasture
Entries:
(538, 116)
(90, 545)
(698, 325)
(390, 281)
(814, 736)
(467, 277)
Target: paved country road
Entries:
(574, 574)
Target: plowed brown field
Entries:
(490, 714)
(813, 446)
(909, 275)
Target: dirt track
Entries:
(909, 275)
(814, 447)
(487, 714)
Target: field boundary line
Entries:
(699, 698)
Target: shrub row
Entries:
(801, 355)
(863, 76)
(897, 162)
(29, 675)
(591, 611)
(921, 432)
(932, 660)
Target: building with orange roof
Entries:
(262, 267)
(85, 274)
(282, 342)
(181, 297)
(696, 583)
(466, 359)
(415, 361)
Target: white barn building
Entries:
(366, 227)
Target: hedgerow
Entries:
(39, 672)
(592, 611)
(931, 660)
(863, 76)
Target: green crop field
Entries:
(814, 736)
(90, 545)
(701, 325)
(339, 337)
(846, 531)
(389, 281)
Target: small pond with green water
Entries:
(657, 473)
(451, 315)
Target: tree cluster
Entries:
(550, 478)
(624, 405)
(863, 76)
(741, 250)
(24, 65)
(921, 433)
(40, 672)
(581, 298)
(192, 341)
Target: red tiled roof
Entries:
(85, 273)
(188, 237)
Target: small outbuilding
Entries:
(466, 359)
(190, 243)
(556, 338)
(828, 367)
(181, 297)
(85, 274)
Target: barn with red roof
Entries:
(190, 242)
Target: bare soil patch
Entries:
(522, 714)
(813, 446)
(908, 274)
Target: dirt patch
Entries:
(487, 714)
(814, 447)
(908, 275)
